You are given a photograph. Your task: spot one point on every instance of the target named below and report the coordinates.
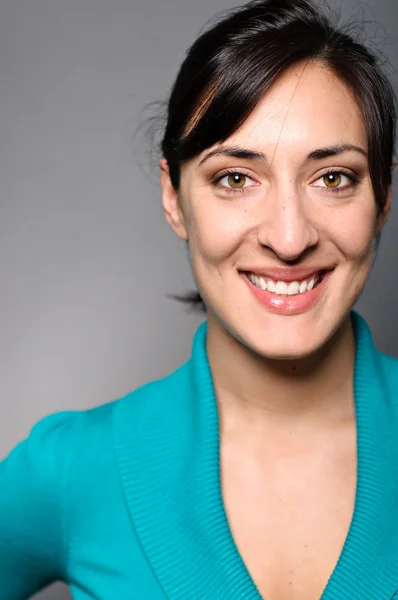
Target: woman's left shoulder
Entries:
(388, 366)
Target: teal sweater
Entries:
(124, 502)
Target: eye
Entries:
(233, 181)
(336, 180)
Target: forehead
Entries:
(307, 106)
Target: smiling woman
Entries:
(266, 466)
(289, 203)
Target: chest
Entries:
(289, 514)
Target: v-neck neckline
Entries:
(168, 448)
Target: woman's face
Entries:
(292, 207)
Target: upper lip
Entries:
(286, 273)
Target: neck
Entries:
(255, 390)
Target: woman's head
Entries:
(289, 100)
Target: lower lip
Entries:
(288, 305)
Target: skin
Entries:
(284, 382)
(285, 215)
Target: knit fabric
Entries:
(124, 501)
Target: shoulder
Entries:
(50, 450)
(389, 368)
(152, 400)
(58, 433)
(49, 438)
(64, 444)
(387, 374)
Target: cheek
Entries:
(353, 232)
(215, 233)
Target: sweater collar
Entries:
(167, 447)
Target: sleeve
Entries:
(34, 483)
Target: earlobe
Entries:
(171, 206)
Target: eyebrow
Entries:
(319, 153)
(333, 150)
(234, 151)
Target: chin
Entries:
(287, 338)
(277, 350)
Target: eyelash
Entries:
(354, 181)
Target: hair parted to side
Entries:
(229, 67)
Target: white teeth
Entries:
(293, 288)
(281, 287)
(263, 283)
(303, 287)
(271, 286)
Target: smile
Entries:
(284, 288)
(289, 297)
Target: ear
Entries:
(382, 218)
(171, 206)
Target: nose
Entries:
(287, 225)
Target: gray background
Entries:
(85, 255)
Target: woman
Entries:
(267, 465)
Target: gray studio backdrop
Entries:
(85, 256)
